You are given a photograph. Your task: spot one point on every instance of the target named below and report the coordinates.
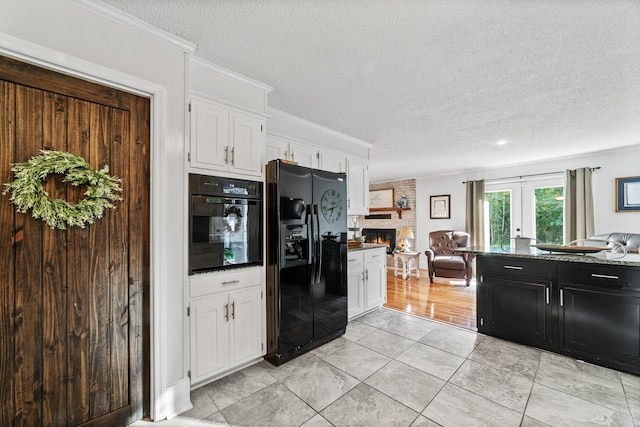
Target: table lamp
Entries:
(406, 233)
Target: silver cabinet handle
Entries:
(363, 279)
(512, 267)
(375, 256)
(348, 203)
(352, 259)
(561, 298)
(226, 154)
(367, 274)
(293, 157)
(231, 282)
(226, 312)
(233, 310)
(546, 290)
(604, 276)
(233, 156)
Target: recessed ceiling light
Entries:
(501, 142)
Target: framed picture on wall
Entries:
(440, 207)
(628, 194)
(381, 199)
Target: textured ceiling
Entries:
(432, 84)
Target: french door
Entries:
(528, 208)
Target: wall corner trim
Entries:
(177, 398)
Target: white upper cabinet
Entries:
(276, 148)
(357, 187)
(209, 135)
(304, 155)
(331, 162)
(225, 140)
(247, 143)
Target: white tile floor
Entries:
(393, 369)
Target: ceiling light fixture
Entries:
(501, 142)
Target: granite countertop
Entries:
(603, 257)
(364, 246)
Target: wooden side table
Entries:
(407, 268)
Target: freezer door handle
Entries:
(312, 245)
(316, 239)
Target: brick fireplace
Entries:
(384, 236)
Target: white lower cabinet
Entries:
(226, 329)
(209, 337)
(366, 280)
(355, 284)
(245, 335)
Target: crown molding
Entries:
(194, 94)
(130, 21)
(287, 116)
(229, 73)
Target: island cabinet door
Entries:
(599, 317)
(515, 300)
(518, 308)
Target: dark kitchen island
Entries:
(583, 306)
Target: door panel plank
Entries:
(78, 277)
(100, 330)
(28, 278)
(30, 75)
(139, 219)
(7, 152)
(118, 229)
(54, 280)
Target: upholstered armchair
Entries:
(442, 261)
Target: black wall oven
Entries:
(225, 223)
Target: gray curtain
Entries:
(578, 205)
(475, 211)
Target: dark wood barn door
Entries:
(73, 307)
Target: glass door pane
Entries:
(549, 214)
(499, 217)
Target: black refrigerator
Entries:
(306, 259)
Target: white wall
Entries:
(67, 35)
(614, 164)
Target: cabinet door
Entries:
(245, 326)
(518, 308)
(275, 149)
(358, 187)
(375, 277)
(247, 144)
(355, 286)
(331, 162)
(209, 135)
(376, 286)
(600, 325)
(304, 155)
(209, 337)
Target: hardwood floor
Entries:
(452, 303)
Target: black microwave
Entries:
(225, 223)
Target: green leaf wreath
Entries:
(27, 190)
